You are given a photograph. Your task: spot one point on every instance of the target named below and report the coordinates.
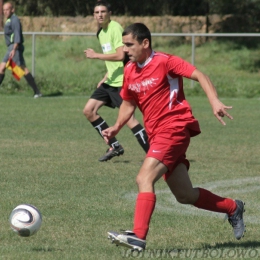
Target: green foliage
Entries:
(49, 158)
(61, 65)
(234, 69)
(249, 9)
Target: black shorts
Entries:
(109, 95)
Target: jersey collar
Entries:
(146, 62)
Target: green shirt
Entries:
(110, 39)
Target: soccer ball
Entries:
(25, 220)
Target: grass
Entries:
(61, 66)
(49, 158)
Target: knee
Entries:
(26, 71)
(2, 69)
(88, 112)
(187, 196)
(138, 180)
(144, 184)
(182, 199)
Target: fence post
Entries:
(192, 55)
(1, 14)
(33, 54)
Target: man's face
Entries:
(102, 15)
(8, 10)
(135, 50)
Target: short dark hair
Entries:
(139, 32)
(103, 3)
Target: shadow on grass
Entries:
(247, 244)
(54, 94)
(222, 246)
(125, 161)
(46, 249)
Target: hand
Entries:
(101, 82)
(109, 133)
(90, 53)
(11, 54)
(220, 110)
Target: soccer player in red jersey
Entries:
(153, 82)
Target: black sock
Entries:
(1, 78)
(100, 125)
(30, 79)
(141, 136)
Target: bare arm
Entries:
(219, 109)
(102, 81)
(119, 55)
(12, 53)
(17, 32)
(126, 110)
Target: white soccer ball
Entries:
(25, 220)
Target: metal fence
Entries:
(191, 35)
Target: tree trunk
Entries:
(1, 14)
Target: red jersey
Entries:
(157, 88)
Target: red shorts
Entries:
(169, 147)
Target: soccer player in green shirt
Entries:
(108, 89)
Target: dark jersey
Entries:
(13, 30)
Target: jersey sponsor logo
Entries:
(143, 86)
(156, 151)
(106, 47)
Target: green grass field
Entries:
(48, 155)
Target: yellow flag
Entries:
(17, 71)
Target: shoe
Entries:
(37, 95)
(127, 239)
(236, 220)
(112, 152)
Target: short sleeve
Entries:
(180, 67)
(117, 37)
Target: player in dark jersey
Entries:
(153, 81)
(15, 48)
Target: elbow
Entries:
(121, 57)
(198, 76)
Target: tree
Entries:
(1, 14)
(246, 13)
